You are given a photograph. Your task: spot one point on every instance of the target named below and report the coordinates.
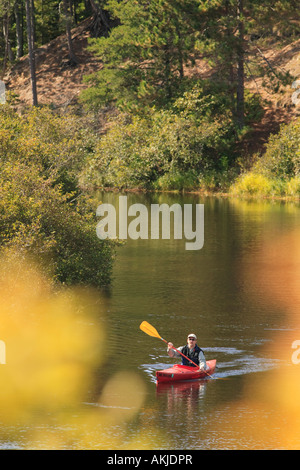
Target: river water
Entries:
(240, 294)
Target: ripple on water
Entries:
(231, 362)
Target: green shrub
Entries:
(293, 186)
(39, 215)
(174, 180)
(58, 144)
(282, 156)
(37, 218)
(138, 151)
(256, 185)
(277, 172)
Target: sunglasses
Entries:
(192, 339)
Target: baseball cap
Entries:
(192, 335)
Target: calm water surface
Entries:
(239, 294)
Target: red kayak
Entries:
(178, 373)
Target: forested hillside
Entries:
(239, 44)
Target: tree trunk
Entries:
(100, 23)
(240, 104)
(31, 55)
(68, 19)
(6, 22)
(19, 28)
(180, 54)
(230, 58)
(167, 70)
(8, 55)
(32, 7)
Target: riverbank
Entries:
(199, 192)
(128, 159)
(192, 143)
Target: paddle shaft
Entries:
(181, 353)
(151, 331)
(187, 358)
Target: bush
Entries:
(176, 181)
(256, 185)
(293, 186)
(138, 151)
(277, 172)
(39, 215)
(59, 145)
(37, 218)
(282, 156)
(216, 180)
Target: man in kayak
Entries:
(191, 350)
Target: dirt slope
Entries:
(279, 107)
(59, 84)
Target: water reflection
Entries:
(176, 396)
(190, 390)
(241, 294)
(268, 413)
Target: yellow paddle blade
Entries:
(149, 329)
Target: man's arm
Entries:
(202, 361)
(171, 352)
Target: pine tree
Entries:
(227, 43)
(68, 24)
(31, 54)
(6, 11)
(145, 56)
(18, 12)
